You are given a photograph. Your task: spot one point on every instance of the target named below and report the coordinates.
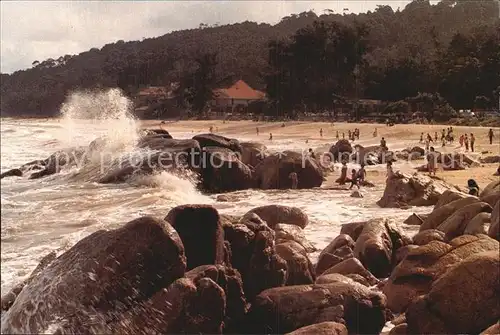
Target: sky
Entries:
(38, 30)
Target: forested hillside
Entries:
(452, 48)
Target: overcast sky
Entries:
(37, 30)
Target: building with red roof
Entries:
(239, 94)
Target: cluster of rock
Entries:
(198, 271)
(222, 164)
(343, 151)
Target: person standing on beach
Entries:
(257, 130)
(321, 132)
(343, 174)
(461, 140)
(431, 162)
(349, 134)
(270, 136)
(436, 136)
(443, 134)
(422, 138)
(390, 172)
(429, 137)
(295, 180)
(354, 179)
(427, 144)
(343, 136)
(375, 133)
(383, 143)
(472, 140)
(466, 142)
(490, 135)
(361, 174)
(211, 129)
(337, 135)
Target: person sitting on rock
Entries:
(473, 187)
(431, 162)
(354, 179)
(295, 180)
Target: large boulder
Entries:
(439, 215)
(479, 224)
(455, 225)
(323, 328)
(253, 153)
(353, 229)
(230, 281)
(450, 196)
(201, 233)
(341, 151)
(463, 301)
(213, 140)
(222, 171)
(102, 275)
(274, 171)
(494, 230)
(285, 309)
(339, 249)
(299, 268)
(274, 214)
(290, 232)
(377, 245)
(412, 190)
(352, 266)
(426, 236)
(422, 266)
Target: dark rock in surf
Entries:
(102, 275)
(341, 151)
(274, 171)
(201, 233)
(222, 171)
(253, 153)
(274, 214)
(12, 173)
(213, 140)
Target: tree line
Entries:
(448, 53)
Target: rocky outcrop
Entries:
(274, 214)
(341, 151)
(285, 309)
(494, 230)
(253, 153)
(439, 215)
(455, 224)
(289, 232)
(377, 244)
(222, 171)
(230, 281)
(422, 266)
(352, 266)
(426, 236)
(12, 173)
(339, 249)
(479, 224)
(201, 233)
(463, 301)
(213, 140)
(103, 274)
(353, 229)
(299, 268)
(274, 171)
(412, 190)
(323, 328)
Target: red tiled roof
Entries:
(240, 90)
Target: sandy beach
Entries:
(398, 137)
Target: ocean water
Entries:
(53, 213)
